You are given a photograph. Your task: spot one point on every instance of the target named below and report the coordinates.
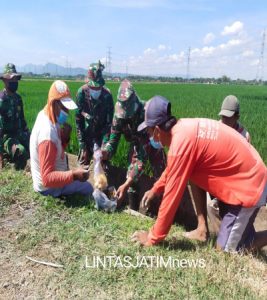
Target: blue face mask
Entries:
(95, 94)
(62, 118)
(154, 144)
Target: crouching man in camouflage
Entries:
(94, 114)
(129, 114)
(14, 133)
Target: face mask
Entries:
(154, 144)
(12, 86)
(95, 94)
(62, 118)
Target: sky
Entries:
(146, 37)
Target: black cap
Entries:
(157, 111)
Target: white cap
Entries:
(68, 103)
(59, 90)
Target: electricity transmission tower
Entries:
(188, 65)
(108, 61)
(260, 69)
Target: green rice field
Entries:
(188, 100)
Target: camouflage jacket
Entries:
(139, 141)
(12, 120)
(93, 117)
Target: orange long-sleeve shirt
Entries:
(51, 178)
(216, 158)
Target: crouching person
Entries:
(217, 159)
(49, 138)
(14, 133)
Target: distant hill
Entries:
(53, 69)
(57, 70)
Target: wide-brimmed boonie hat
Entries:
(10, 72)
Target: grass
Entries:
(65, 234)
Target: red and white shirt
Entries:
(243, 132)
(48, 160)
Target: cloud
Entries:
(209, 37)
(254, 62)
(235, 28)
(248, 53)
(162, 47)
(205, 51)
(149, 51)
(230, 44)
(153, 51)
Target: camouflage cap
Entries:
(95, 77)
(10, 72)
(127, 103)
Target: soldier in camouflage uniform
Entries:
(94, 114)
(129, 113)
(14, 133)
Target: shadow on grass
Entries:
(176, 244)
(71, 201)
(75, 201)
(261, 255)
(187, 244)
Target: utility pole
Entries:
(188, 65)
(260, 69)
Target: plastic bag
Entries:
(100, 179)
(102, 201)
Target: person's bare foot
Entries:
(197, 234)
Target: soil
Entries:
(185, 215)
(116, 176)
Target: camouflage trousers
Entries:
(16, 149)
(157, 160)
(89, 147)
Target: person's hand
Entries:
(104, 154)
(141, 237)
(121, 192)
(147, 199)
(80, 174)
(1, 161)
(83, 157)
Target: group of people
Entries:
(98, 125)
(216, 157)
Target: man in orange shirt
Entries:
(218, 160)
